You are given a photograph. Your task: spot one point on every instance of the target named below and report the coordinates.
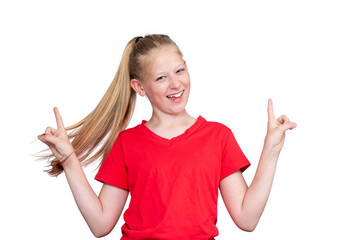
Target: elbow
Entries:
(102, 227)
(247, 228)
(100, 234)
(246, 222)
(101, 231)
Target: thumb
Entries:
(47, 139)
(287, 126)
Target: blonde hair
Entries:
(113, 113)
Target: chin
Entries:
(177, 110)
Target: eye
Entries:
(180, 70)
(160, 78)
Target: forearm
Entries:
(91, 206)
(258, 192)
(246, 204)
(87, 201)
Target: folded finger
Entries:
(283, 119)
(50, 130)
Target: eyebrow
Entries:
(161, 73)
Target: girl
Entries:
(172, 165)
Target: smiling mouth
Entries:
(177, 95)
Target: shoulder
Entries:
(215, 131)
(131, 133)
(218, 127)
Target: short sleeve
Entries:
(113, 170)
(233, 158)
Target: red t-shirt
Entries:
(173, 183)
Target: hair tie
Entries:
(137, 39)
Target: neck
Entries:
(166, 120)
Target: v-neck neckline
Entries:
(183, 135)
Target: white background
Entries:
(239, 54)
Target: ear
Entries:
(137, 86)
(185, 64)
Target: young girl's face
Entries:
(166, 80)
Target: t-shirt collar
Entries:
(180, 137)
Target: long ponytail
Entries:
(105, 122)
(113, 113)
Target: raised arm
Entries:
(246, 204)
(100, 212)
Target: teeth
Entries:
(176, 95)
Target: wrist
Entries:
(271, 149)
(70, 161)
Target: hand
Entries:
(57, 139)
(276, 129)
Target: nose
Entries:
(174, 82)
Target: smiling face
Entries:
(165, 80)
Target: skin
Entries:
(166, 73)
(246, 204)
(100, 212)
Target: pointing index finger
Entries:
(270, 109)
(58, 118)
